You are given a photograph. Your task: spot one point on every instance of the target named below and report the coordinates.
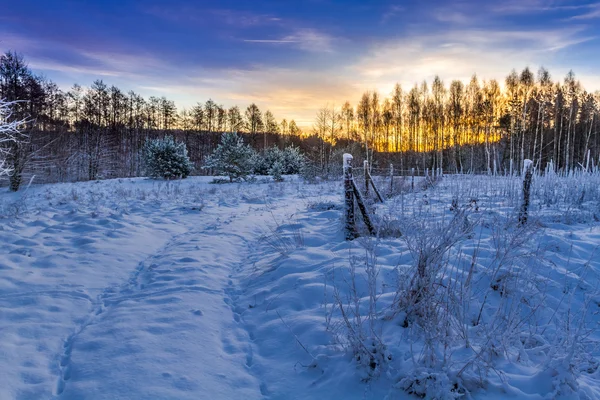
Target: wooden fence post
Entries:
(349, 198)
(523, 213)
(375, 189)
(412, 182)
(363, 209)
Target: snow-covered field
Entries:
(141, 289)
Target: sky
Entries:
(294, 57)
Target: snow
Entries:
(142, 289)
(347, 160)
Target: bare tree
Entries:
(294, 129)
(271, 126)
(235, 119)
(254, 122)
(348, 117)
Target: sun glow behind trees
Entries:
(476, 126)
(529, 116)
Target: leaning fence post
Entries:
(375, 189)
(349, 198)
(363, 209)
(528, 167)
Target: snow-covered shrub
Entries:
(261, 162)
(429, 244)
(276, 171)
(283, 239)
(427, 304)
(309, 172)
(293, 160)
(232, 157)
(324, 206)
(388, 226)
(166, 158)
(354, 320)
(429, 384)
(430, 181)
(290, 160)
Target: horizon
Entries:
(294, 59)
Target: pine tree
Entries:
(292, 160)
(276, 171)
(166, 158)
(231, 157)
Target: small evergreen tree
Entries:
(231, 157)
(276, 171)
(293, 161)
(166, 158)
(260, 163)
(263, 162)
(290, 161)
(309, 171)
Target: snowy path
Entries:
(133, 289)
(177, 304)
(131, 306)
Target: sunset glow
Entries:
(295, 57)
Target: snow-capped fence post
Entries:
(528, 168)
(350, 225)
(350, 193)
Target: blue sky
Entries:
(294, 57)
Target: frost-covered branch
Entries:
(9, 134)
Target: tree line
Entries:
(478, 127)
(99, 131)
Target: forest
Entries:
(97, 132)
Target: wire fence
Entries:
(358, 171)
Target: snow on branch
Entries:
(9, 133)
